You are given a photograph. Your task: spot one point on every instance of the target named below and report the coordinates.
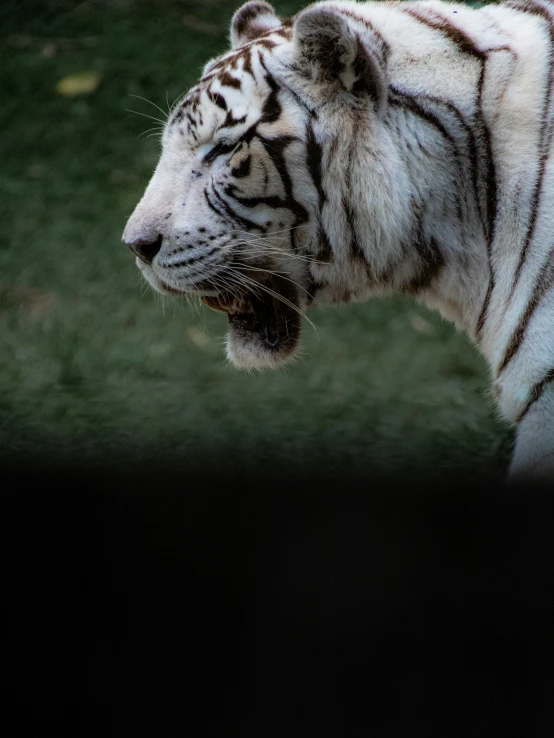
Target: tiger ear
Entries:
(250, 21)
(332, 50)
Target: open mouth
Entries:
(266, 318)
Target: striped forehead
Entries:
(230, 96)
(238, 87)
(247, 55)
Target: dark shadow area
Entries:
(264, 604)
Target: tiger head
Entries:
(239, 210)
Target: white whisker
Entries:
(276, 274)
(136, 112)
(150, 103)
(271, 233)
(275, 251)
(220, 284)
(156, 128)
(271, 292)
(174, 103)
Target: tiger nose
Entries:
(146, 250)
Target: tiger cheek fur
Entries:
(368, 148)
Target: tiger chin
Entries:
(264, 328)
(360, 149)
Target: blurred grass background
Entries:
(94, 370)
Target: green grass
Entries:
(93, 369)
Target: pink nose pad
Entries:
(145, 250)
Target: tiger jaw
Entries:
(264, 323)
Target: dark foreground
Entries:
(222, 605)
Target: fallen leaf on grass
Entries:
(78, 84)
(35, 304)
(420, 325)
(36, 171)
(199, 338)
(159, 349)
(211, 29)
(49, 50)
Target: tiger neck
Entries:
(411, 222)
(446, 246)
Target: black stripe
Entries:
(243, 169)
(537, 10)
(218, 99)
(266, 43)
(536, 393)
(314, 156)
(355, 248)
(312, 290)
(266, 177)
(218, 150)
(292, 93)
(275, 149)
(245, 52)
(228, 60)
(410, 102)
(434, 20)
(271, 110)
(432, 261)
(471, 144)
(276, 87)
(273, 201)
(211, 205)
(230, 121)
(286, 33)
(404, 99)
(228, 80)
(485, 307)
(491, 209)
(247, 62)
(492, 196)
(195, 259)
(430, 254)
(248, 224)
(542, 285)
(324, 248)
(438, 23)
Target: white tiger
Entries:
(366, 148)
